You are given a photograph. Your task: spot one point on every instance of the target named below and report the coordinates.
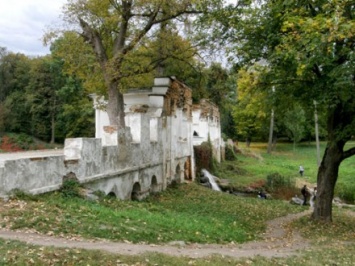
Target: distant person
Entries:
(301, 171)
(305, 193)
(261, 195)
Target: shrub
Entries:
(7, 144)
(21, 140)
(70, 188)
(281, 187)
(275, 180)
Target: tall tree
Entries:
(114, 29)
(14, 72)
(14, 77)
(309, 47)
(294, 121)
(250, 110)
(42, 94)
(60, 107)
(221, 87)
(76, 116)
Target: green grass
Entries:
(190, 213)
(286, 161)
(255, 165)
(342, 229)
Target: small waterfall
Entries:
(211, 180)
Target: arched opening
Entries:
(154, 185)
(135, 191)
(195, 134)
(112, 195)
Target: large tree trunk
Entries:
(326, 180)
(115, 106)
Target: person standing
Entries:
(305, 193)
(301, 170)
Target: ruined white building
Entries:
(154, 150)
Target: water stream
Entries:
(211, 180)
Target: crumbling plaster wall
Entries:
(160, 124)
(35, 175)
(153, 151)
(206, 125)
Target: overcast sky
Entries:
(23, 23)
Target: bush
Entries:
(281, 187)
(275, 180)
(70, 188)
(21, 140)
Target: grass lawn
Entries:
(255, 165)
(189, 213)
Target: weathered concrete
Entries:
(35, 172)
(154, 150)
(206, 125)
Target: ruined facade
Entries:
(155, 149)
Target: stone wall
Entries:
(154, 150)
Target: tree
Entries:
(46, 80)
(17, 113)
(37, 98)
(14, 72)
(76, 116)
(220, 87)
(250, 110)
(115, 29)
(14, 77)
(59, 106)
(310, 50)
(294, 120)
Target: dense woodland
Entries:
(281, 57)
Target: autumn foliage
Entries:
(7, 145)
(19, 142)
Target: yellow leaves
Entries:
(328, 22)
(248, 79)
(287, 26)
(301, 69)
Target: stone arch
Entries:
(136, 191)
(154, 187)
(112, 194)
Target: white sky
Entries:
(23, 23)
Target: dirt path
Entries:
(278, 242)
